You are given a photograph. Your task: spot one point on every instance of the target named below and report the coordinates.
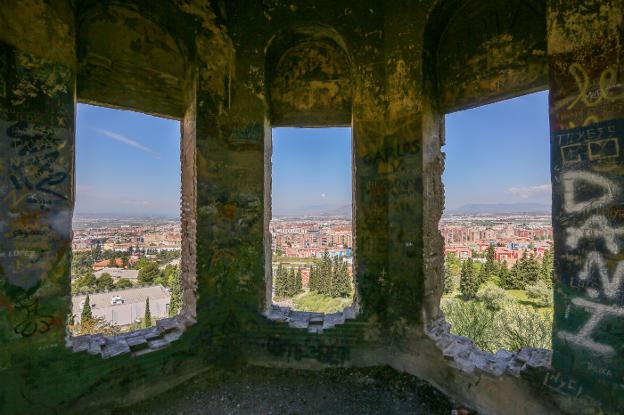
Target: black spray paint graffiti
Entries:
(329, 351)
(31, 321)
(33, 169)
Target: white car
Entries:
(115, 300)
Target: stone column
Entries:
(587, 139)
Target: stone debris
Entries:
(137, 342)
(313, 322)
(464, 355)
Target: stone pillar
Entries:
(230, 193)
(37, 89)
(587, 139)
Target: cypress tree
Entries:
(342, 280)
(468, 284)
(483, 275)
(290, 283)
(175, 287)
(449, 284)
(86, 311)
(281, 281)
(298, 282)
(325, 277)
(505, 276)
(490, 263)
(547, 270)
(147, 318)
(312, 278)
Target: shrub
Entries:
(540, 293)
(473, 320)
(492, 296)
(513, 327)
(522, 326)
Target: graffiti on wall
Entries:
(588, 188)
(36, 115)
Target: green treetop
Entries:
(147, 318)
(281, 281)
(468, 282)
(149, 273)
(86, 311)
(174, 283)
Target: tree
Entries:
(290, 282)
(505, 276)
(281, 281)
(547, 269)
(298, 282)
(540, 293)
(453, 263)
(449, 284)
(123, 283)
(490, 268)
(142, 262)
(149, 273)
(85, 283)
(513, 280)
(175, 288)
(312, 279)
(342, 281)
(95, 325)
(468, 283)
(105, 282)
(492, 296)
(86, 315)
(147, 318)
(325, 275)
(483, 275)
(528, 271)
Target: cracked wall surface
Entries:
(230, 70)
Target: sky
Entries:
(498, 153)
(311, 167)
(126, 163)
(129, 162)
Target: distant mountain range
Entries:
(502, 208)
(324, 211)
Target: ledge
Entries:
(136, 342)
(313, 322)
(465, 356)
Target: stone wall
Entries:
(231, 70)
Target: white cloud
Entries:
(530, 191)
(323, 195)
(128, 141)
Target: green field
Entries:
(311, 301)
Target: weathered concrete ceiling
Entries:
(488, 51)
(310, 84)
(133, 59)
